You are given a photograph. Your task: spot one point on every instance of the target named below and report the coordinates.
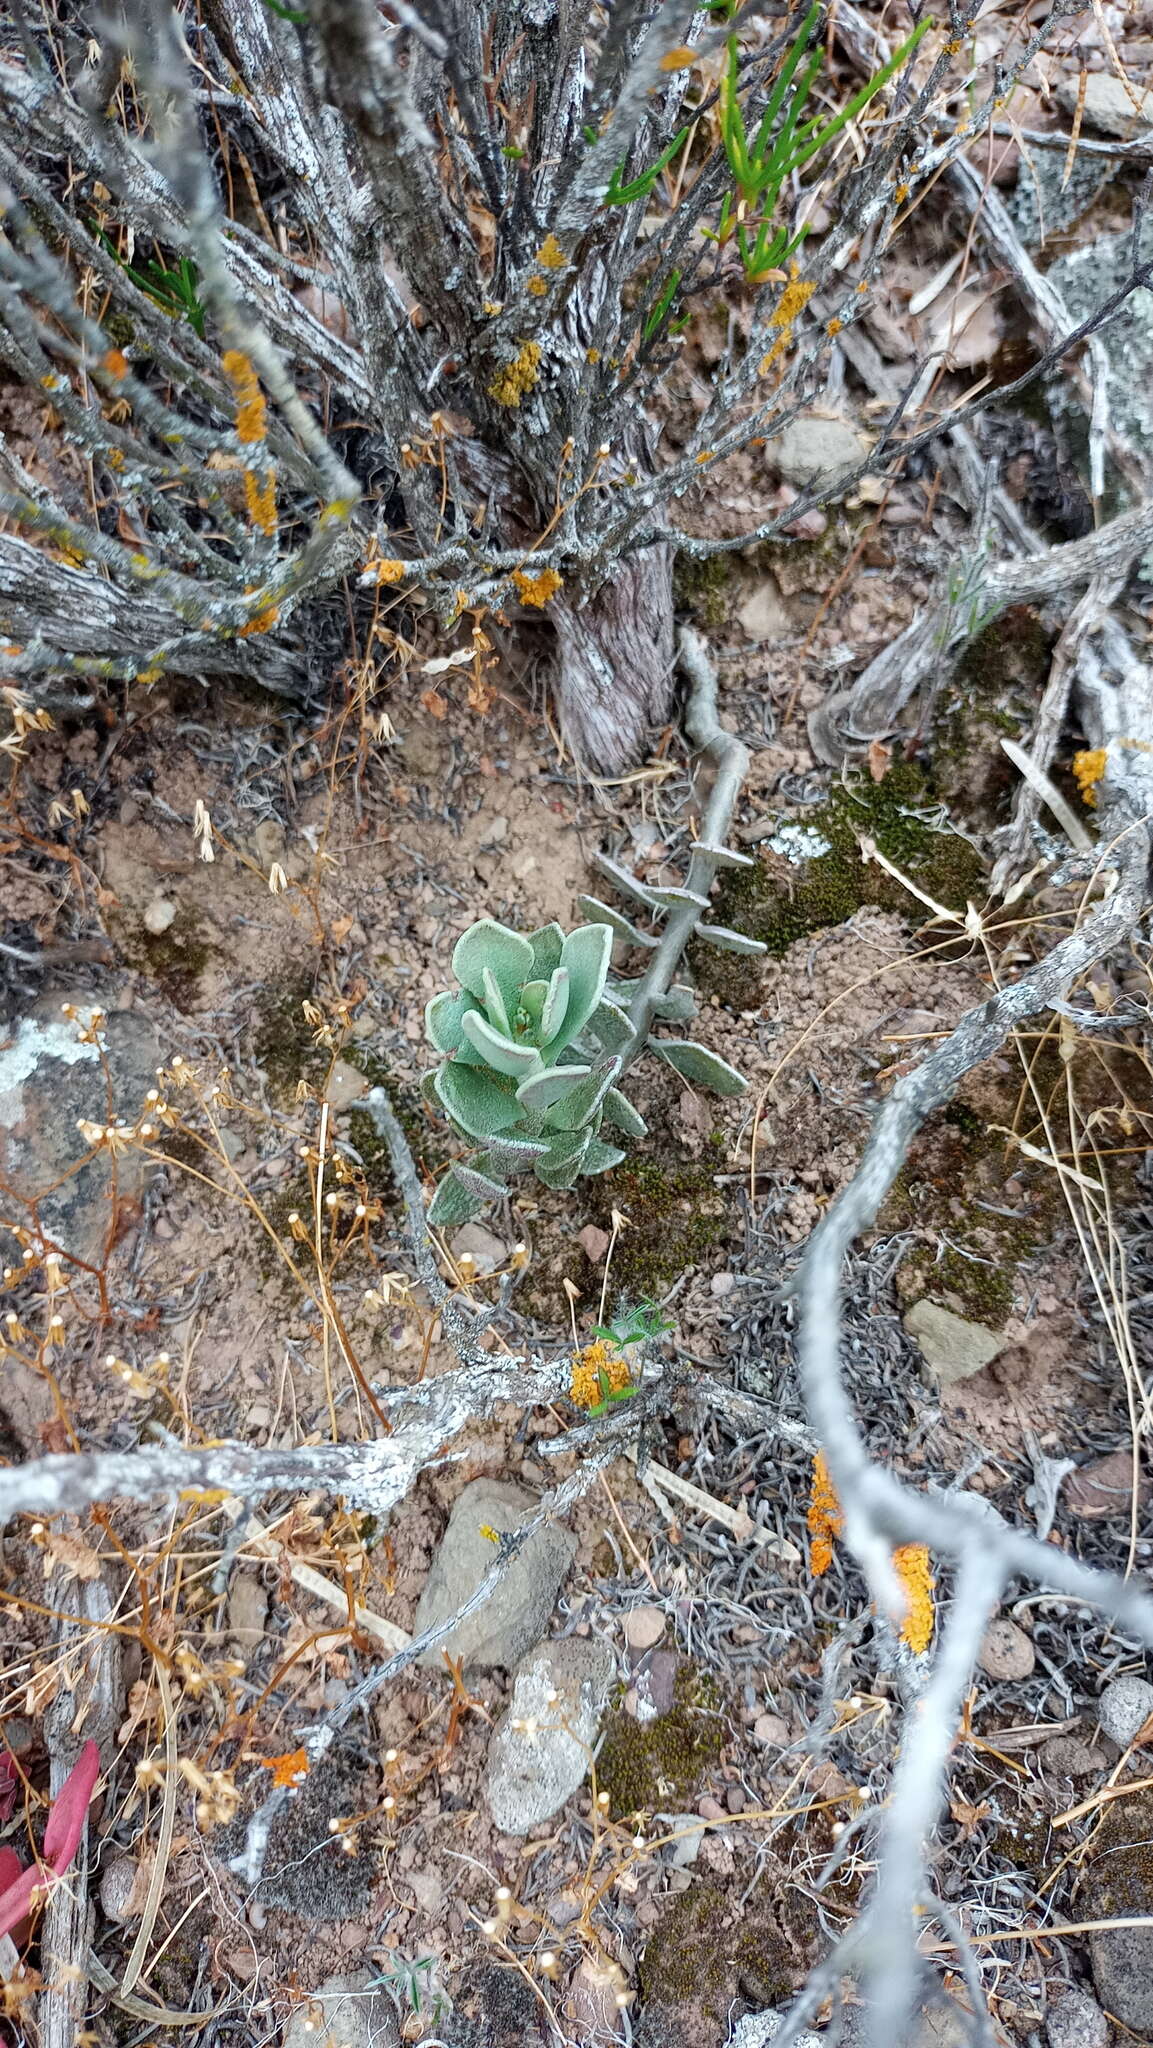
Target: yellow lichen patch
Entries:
(792, 302)
(260, 498)
(537, 285)
(824, 1518)
(387, 569)
(514, 382)
(550, 255)
(911, 1562)
(1088, 769)
(597, 1372)
(250, 424)
(679, 59)
(537, 590)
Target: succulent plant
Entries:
(533, 1045)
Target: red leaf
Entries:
(66, 1820)
(16, 1888)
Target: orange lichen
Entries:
(1088, 768)
(550, 255)
(598, 1371)
(912, 1566)
(260, 498)
(679, 59)
(537, 285)
(290, 1769)
(824, 1518)
(388, 569)
(262, 623)
(250, 409)
(115, 363)
(537, 590)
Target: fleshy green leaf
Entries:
(672, 899)
(492, 945)
(500, 1012)
(532, 1001)
(442, 1020)
(508, 1154)
(550, 1086)
(475, 1101)
(546, 946)
(474, 1182)
(726, 941)
(452, 1203)
(619, 1111)
(591, 906)
(610, 1025)
(565, 1157)
(677, 1004)
(555, 1009)
(580, 1106)
(706, 1069)
(586, 956)
(503, 1054)
(601, 1158)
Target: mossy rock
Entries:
(705, 1951)
(815, 877)
(703, 589)
(649, 1765)
(174, 959)
(282, 1038)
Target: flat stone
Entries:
(247, 1609)
(50, 1082)
(474, 1242)
(772, 1730)
(952, 1348)
(345, 1085)
(1109, 107)
(643, 1627)
(1006, 1651)
(517, 1613)
(942, 2024)
(541, 1749)
(812, 447)
(762, 615)
(1124, 1707)
(1075, 2020)
(593, 1242)
(1104, 1487)
(344, 2012)
(1069, 1757)
(757, 2029)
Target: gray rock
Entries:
(542, 1746)
(1045, 202)
(1109, 107)
(1006, 1651)
(1122, 1959)
(1124, 1707)
(1069, 1757)
(515, 1616)
(811, 447)
(1076, 2021)
(49, 1082)
(757, 2029)
(952, 1349)
(345, 2013)
(943, 2023)
(1104, 1487)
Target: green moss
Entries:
(676, 1217)
(983, 1292)
(1026, 1846)
(282, 1038)
(702, 588)
(174, 959)
(779, 902)
(700, 1952)
(1119, 1879)
(646, 1765)
(993, 695)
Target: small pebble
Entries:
(643, 1626)
(722, 1284)
(1006, 1651)
(772, 1730)
(160, 913)
(1124, 1707)
(710, 1809)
